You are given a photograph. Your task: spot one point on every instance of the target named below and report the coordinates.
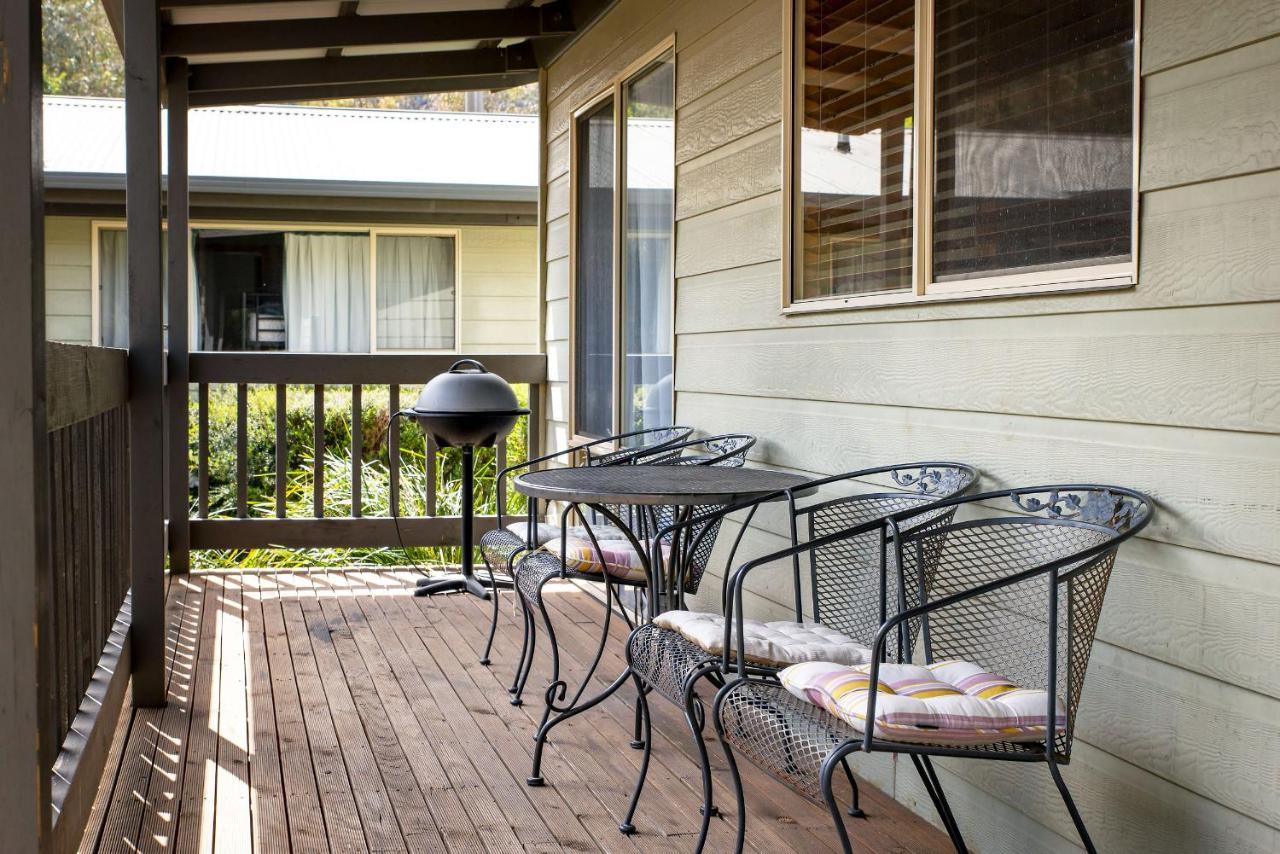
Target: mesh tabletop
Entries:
(667, 485)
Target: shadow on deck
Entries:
(332, 711)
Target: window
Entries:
(623, 176)
(955, 149)
(267, 288)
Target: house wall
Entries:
(1172, 387)
(498, 279)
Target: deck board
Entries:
(331, 711)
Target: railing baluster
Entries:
(282, 450)
(393, 446)
(499, 463)
(242, 450)
(202, 450)
(357, 448)
(429, 448)
(317, 477)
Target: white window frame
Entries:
(616, 90)
(373, 232)
(924, 288)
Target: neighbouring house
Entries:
(305, 235)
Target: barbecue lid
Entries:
(468, 388)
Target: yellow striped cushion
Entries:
(620, 557)
(948, 702)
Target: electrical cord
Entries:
(395, 505)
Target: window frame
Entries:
(373, 232)
(924, 288)
(614, 89)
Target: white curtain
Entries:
(415, 292)
(326, 293)
(113, 286)
(113, 276)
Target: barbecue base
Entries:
(458, 582)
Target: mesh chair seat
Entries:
(790, 737)
(667, 660)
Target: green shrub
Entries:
(375, 480)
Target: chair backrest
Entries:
(853, 582)
(727, 450)
(637, 443)
(1035, 629)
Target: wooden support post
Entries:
(26, 713)
(179, 209)
(146, 349)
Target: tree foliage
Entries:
(80, 52)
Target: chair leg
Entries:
(527, 647)
(1071, 808)
(555, 657)
(739, 799)
(829, 764)
(695, 717)
(493, 624)
(642, 718)
(639, 741)
(933, 786)
(855, 810)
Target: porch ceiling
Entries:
(291, 50)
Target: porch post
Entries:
(178, 209)
(146, 349)
(26, 709)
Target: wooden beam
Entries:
(407, 369)
(27, 732)
(366, 30)
(146, 349)
(178, 208)
(223, 76)
(82, 382)
(294, 94)
(332, 532)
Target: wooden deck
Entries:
(330, 711)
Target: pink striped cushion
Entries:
(620, 557)
(948, 702)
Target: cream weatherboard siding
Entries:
(498, 267)
(1172, 386)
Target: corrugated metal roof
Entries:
(309, 150)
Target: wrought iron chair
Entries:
(500, 546)
(538, 568)
(1013, 599)
(843, 593)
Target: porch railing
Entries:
(89, 614)
(404, 375)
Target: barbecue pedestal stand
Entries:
(466, 407)
(466, 580)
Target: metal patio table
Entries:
(643, 490)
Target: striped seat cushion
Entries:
(620, 557)
(774, 644)
(545, 532)
(949, 702)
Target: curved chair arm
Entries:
(528, 464)
(734, 611)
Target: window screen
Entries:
(593, 297)
(856, 90)
(1033, 111)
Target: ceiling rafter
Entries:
(295, 73)
(554, 19)
(372, 89)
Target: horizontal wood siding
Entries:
(68, 280)
(1172, 386)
